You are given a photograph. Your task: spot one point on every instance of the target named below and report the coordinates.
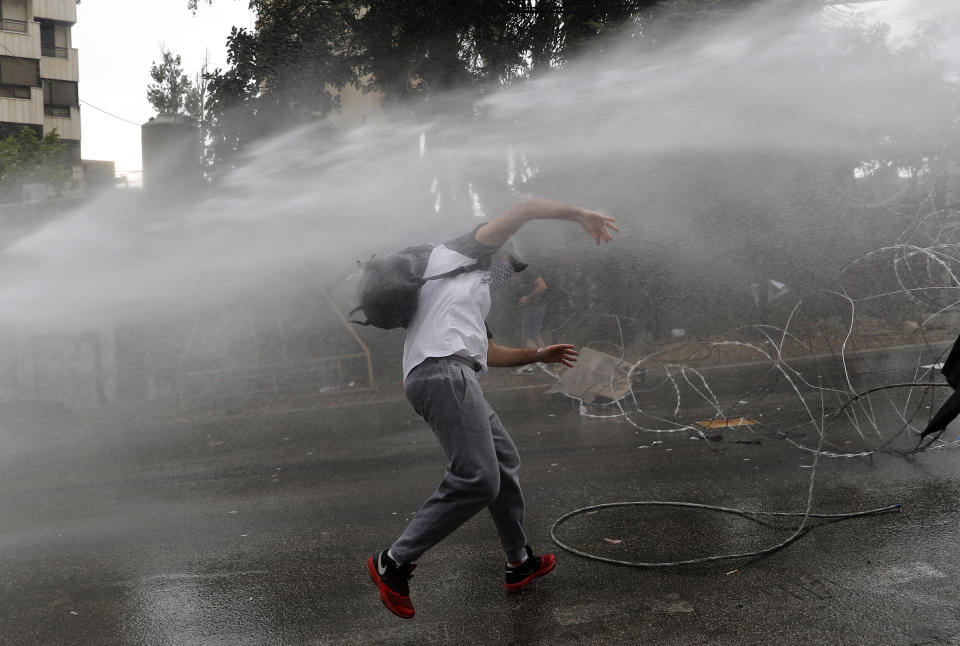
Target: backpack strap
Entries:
(453, 272)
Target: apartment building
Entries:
(39, 71)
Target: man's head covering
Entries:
(511, 250)
(507, 263)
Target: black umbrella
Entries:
(951, 408)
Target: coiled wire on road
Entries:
(807, 514)
(802, 529)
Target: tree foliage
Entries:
(26, 158)
(289, 68)
(172, 92)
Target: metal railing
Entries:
(7, 24)
(55, 52)
(61, 111)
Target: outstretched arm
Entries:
(501, 356)
(498, 231)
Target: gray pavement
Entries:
(252, 527)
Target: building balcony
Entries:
(23, 110)
(59, 10)
(62, 68)
(23, 44)
(67, 127)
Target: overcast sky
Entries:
(118, 40)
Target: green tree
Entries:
(286, 71)
(172, 92)
(289, 67)
(413, 50)
(26, 158)
(232, 107)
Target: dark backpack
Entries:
(390, 286)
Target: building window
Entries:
(54, 41)
(17, 76)
(14, 92)
(13, 16)
(21, 72)
(59, 97)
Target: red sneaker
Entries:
(393, 582)
(517, 578)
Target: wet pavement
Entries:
(253, 527)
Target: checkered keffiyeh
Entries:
(500, 273)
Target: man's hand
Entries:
(559, 353)
(500, 356)
(598, 225)
(499, 230)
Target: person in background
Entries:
(533, 308)
(446, 349)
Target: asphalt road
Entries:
(247, 527)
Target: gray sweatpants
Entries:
(482, 467)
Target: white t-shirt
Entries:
(451, 312)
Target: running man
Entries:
(447, 348)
